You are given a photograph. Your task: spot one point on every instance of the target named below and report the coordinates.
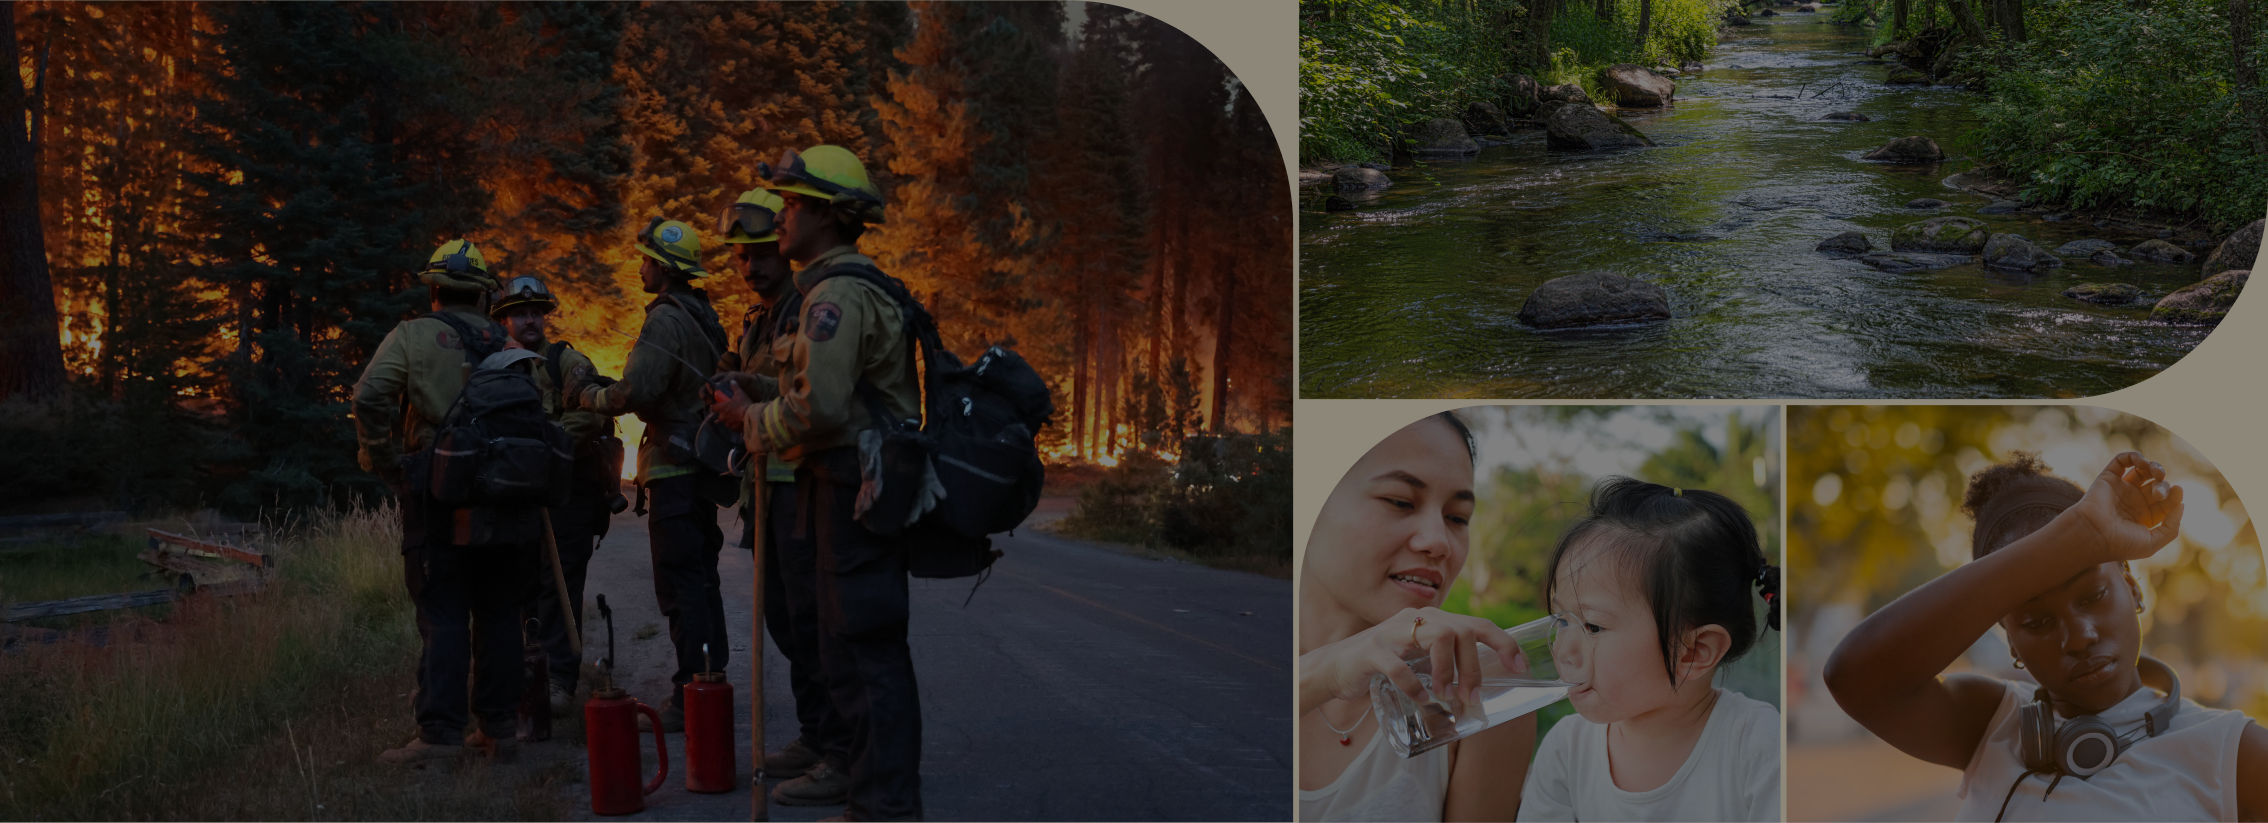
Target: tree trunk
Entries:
(1645, 19)
(2247, 75)
(1898, 19)
(1224, 340)
(1079, 386)
(2012, 20)
(1969, 26)
(1538, 45)
(31, 349)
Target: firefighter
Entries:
(524, 306)
(468, 595)
(848, 331)
(664, 383)
(822, 751)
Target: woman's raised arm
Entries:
(1885, 673)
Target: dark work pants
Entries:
(469, 600)
(682, 532)
(863, 608)
(791, 617)
(575, 528)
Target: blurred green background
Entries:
(1534, 475)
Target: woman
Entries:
(1390, 541)
(2051, 569)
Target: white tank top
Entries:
(1382, 787)
(2186, 773)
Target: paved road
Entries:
(1081, 683)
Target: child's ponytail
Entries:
(1768, 584)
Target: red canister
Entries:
(709, 764)
(610, 723)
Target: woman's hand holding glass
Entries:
(1452, 641)
(2129, 511)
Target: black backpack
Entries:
(496, 448)
(978, 433)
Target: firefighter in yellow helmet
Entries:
(664, 383)
(524, 305)
(791, 607)
(466, 578)
(850, 330)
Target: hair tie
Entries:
(1768, 579)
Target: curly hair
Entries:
(2013, 499)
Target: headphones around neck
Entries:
(2084, 746)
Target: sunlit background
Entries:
(1536, 468)
(1875, 510)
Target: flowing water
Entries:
(1416, 292)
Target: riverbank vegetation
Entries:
(1368, 68)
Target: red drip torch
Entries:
(708, 731)
(610, 722)
(535, 700)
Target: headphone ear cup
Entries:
(2085, 746)
(2035, 736)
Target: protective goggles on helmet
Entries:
(456, 262)
(646, 238)
(791, 170)
(524, 289)
(751, 219)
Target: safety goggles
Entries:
(456, 262)
(526, 288)
(751, 219)
(791, 170)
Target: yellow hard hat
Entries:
(458, 264)
(675, 245)
(830, 173)
(522, 291)
(751, 219)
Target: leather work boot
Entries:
(792, 760)
(562, 701)
(504, 750)
(417, 754)
(672, 720)
(821, 786)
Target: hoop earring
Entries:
(2019, 661)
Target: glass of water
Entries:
(1508, 689)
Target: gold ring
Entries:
(1413, 630)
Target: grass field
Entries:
(264, 707)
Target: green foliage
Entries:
(1228, 499)
(137, 455)
(2128, 104)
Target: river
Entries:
(1416, 292)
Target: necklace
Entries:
(1346, 735)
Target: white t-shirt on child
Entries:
(2186, 773)
(1732, 774)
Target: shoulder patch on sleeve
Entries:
(447, 340)
(825, 317)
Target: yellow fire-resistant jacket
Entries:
(666, 394)
(405, 393)
(848, 329)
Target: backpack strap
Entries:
(711, 330)
(465, 337)
(923, 344)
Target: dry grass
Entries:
(268, 707)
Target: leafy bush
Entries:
(1227, 499)
(2125, 104)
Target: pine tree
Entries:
(340, 162)
(31, 358)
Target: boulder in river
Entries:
(1902, 262)
(1547, 108)
(2163, 252)
(1902, 76)
(1309, 179)
(1767, 13)
(1690, 67)
(1634, 87)
(1566, 93)
(1483, 117)
(2001, 207)
(1908, 150)
(1733, 17)
(1808, 7)
(1845, 244)
(1593, 299)
(1851, 116)
(1581, 127)
(1927, 203)
(2202, 303)
(1337, 203)
(2106, 294)
(2108, 257)
(2009, 251)
(1520, 94)
(1357, 178)
(1441, 135)
(2079, 248)
(1942, 235)
(2238, 251)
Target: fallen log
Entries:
(19, 612)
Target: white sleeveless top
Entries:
(2186, 773)
(1382, 787)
